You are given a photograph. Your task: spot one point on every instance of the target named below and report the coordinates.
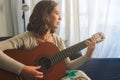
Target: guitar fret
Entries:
(54, 59)
(83, 45)
(51, 58)
(57, 57)
(73, 49)
(77, 48)
(61, 56)
(65, 54)
(68, 53)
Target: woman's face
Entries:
(54, 18)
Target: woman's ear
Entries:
(47, 19)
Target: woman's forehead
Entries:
(56, 9)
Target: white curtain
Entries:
(11, 17)
(82, 18)
(17, 16)
(70, 27)
(5, 20)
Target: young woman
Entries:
(43, 22)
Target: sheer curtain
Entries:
(82, 18)
(17, 16)
(70, 27)
(11, 17)
(103, 16)
(5, 19)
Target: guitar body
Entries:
(31, 57)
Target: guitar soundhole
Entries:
(45, 64)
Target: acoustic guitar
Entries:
(48, 56)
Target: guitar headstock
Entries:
(98, 37)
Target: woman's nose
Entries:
(60, 18)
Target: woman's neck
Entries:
(48, 37)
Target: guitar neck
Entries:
(70, 51)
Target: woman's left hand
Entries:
(91, 46)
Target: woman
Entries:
(43, 22)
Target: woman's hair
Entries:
(38, 19)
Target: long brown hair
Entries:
(38, 19)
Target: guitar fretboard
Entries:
(67, 52)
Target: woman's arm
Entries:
(81, 60)
(9, 64)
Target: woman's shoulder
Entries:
(58, 41)
(26, 35)
(22, 37)
(56, 36)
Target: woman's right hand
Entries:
(31, 73)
